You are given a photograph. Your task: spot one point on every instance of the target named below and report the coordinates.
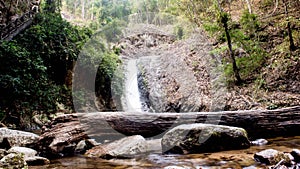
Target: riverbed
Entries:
(228, 159)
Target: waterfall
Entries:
(132, 98)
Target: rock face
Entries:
(10, 138)
(271, 157)
(123, 148)
(200, 138)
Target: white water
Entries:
(132, 101)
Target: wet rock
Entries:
(16, 138)
(199, 138)
(259, 142)
(36, 160)
(296, 154)
(12, 161)
(28, 152)
(123, 148)
(272, 157)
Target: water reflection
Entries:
(238, 159)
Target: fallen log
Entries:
(258, 123)
(66, 131)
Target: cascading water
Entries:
(132, 98)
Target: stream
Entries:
(228, 159)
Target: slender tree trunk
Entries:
(224, 20)
(292, 44)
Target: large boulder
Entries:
(10, 138)
(124, 148)
(200, 138)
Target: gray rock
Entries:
(29, 156)
(31, 161)
(17, 138)
(259, 142)
(200, 138)
(28, 152)
(91, 143)
(272, 157)
(80, 147)
(124, 148)
(12, 161)
(296, 154)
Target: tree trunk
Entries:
(258, 123)
(292, 44)
(224, 20)
(67, 130)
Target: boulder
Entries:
(124, 148)
(36, 160)
(296, 154)
(272, 157)
(28, 152)
(12, 161)
(201, 138)
(29, 156)
(14, 138)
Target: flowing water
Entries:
(132, 101)
(228, 159)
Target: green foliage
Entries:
(39, 63)
(249, 23)
(55, 41)
(24, 85)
